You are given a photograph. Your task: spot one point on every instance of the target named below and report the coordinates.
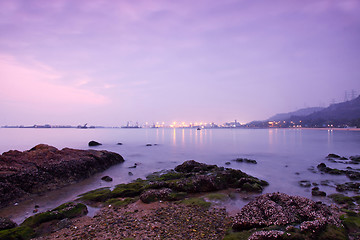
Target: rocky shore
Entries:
(175, 204)
(44, 168)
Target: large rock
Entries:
(281, 209)
(44, 168)
(94, 143)
(194, 177)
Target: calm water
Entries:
(283, 156)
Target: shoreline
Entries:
(111, 207)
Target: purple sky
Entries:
(109, 62)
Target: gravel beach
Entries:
(159, 220)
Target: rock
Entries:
(353, 175)
(348, 186)
(153, 195)
(66, 210)
(94, 143)
(246, 160)
(263, 235)
(6, 223)
(106, 179)
(63, 223)
(44, 168)
(227, 163)
(316, 192)
(305, 183)
(355, 158)
(332, 155)
(281, 209)
(342, 199)
(193, 166)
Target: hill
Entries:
(340, 115)
(299, 113)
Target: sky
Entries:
(106, 62)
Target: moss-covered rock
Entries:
(197, 202)
(243, 235)
(332, 232)
(193, 166)
(348, 186)
(189, 177)
(67, 210)
(216, 196)
(349, 173)
(18, 233)
(351, 222)
(153, 195)
(118, 202)
(165, 176)
(341, 199)
(97, 195)
(132, 189)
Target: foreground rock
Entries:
(165, 220)
(46, 222)
(44, 168)
(189, 177)
(287, 212)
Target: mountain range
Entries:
(338, 115)
(298, 113)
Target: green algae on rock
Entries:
(66, 210)
(171, 185)
(29, 228)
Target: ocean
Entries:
(284, 156)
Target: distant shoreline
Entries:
(102, 127)
(340, 129)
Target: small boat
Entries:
(198, 128)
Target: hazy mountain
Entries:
(298, 113)
(344, 111)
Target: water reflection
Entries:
(174, 136)
(330, 135)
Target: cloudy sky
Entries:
(109, 62)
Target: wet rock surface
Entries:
(353, 175)
(281, 209)
(348, 186)
(107, 179)
(44, 168)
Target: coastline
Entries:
(164, 206)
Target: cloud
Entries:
(39, 84)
